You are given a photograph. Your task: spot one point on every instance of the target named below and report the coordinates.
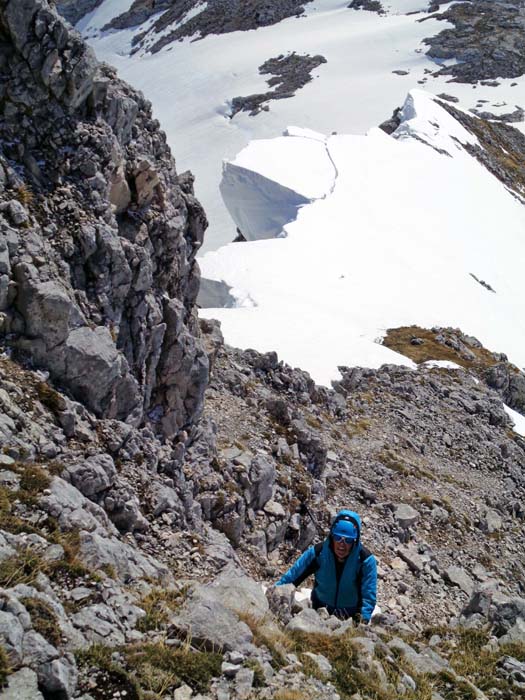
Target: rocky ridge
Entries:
(488, 40)
(217, 17)
(426, 456)
(499, 149)
(290, 73)
(98, 233)
(74, 10)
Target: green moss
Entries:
(43, 619)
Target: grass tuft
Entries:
(158, 605)
(5, 668)
(43, 619)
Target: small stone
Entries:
(184, 692)
(229, 670)
(244, 683)
(274, 508)
(412, 558)
(236, 657)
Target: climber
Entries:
(345, 571)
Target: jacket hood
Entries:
(351, 514)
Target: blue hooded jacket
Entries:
(356, 589)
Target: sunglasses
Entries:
(342, 538)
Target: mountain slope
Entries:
(401, 235)
(192, 83)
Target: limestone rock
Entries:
(209, 623)
(308, 621)
(22, 685)
(459, 577)
(405, 515)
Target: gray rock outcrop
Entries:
(486, 39)
(74, 10)
(218, 17)
(98, 277)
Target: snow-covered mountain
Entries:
(192, 83)
(382, 230)
(398, 230)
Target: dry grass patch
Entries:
(5, 668)
(399, 340)
(267, 633)
(357, 427)
(344, 653)
(470, 658)
(43, 619)
(158, 605)
(148, 671)
(290, 694)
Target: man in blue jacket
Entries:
(345, 571)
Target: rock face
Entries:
(218, 17)
(73, 10)
(487, 40)
(98, 235)
(289, 74)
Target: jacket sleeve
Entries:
(368, 587)
(296, 574)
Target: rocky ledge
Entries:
(218, 17)
(290, 73)
(487, 40)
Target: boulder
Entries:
(128, 562)
(208, 623)
(406, 516)
(22, 685)
(309, 622)
(262, 477)
(93, 475)
(238, 592)
(459, 577)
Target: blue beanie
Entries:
(344, 528)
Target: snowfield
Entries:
(191, 83)
(394, 240)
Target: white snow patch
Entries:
(517, 419)
(192, 83)
(442, 364)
